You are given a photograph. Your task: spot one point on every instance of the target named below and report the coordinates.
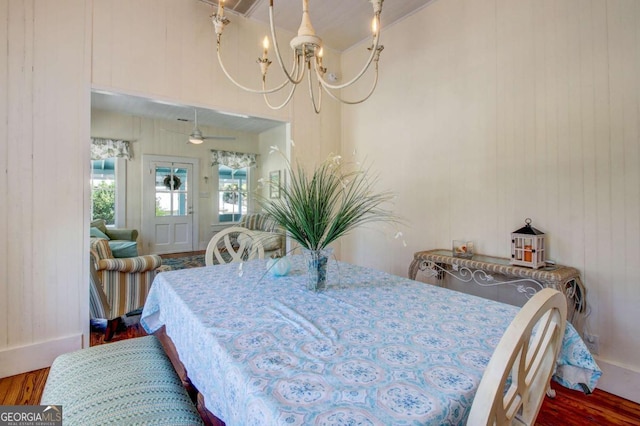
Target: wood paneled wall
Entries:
(165, 49)
(44, 126)
(51, 54)
(491, 111)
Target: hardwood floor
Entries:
(187, 253)
(569, 408)
(23, 389)
(574, 408)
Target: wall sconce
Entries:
(206, 179)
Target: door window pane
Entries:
(171, 185)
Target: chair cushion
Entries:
(123, 383)
(95, 232)
(121, 248)
(100, 224)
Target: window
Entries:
(172, 190)
(108, 190)
(232, 193)
(103, 190)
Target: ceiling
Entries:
(340, 23)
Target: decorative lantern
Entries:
(527, 246)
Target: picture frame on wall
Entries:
(274, 187)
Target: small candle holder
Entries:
(462, 249)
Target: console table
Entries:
(493, 271)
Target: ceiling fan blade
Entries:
(221, 138)
(196, 134)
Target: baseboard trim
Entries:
(36, 356)
(619, 380)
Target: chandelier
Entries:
(307, 59)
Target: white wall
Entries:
(45, 56)
(51, 53)
(502, 110)
(271, 160)
(165, 49)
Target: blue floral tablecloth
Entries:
(373, 349)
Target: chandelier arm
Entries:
(286, 101)
(298, 70)
(299, 75)
(317, 107)
(373, 88)
(264, 91)
(375, 54)
(277, 50)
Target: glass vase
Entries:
(317, 262)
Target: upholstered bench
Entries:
(122, 383)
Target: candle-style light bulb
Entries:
(221, 8)
(374, 26)
(321, 53)
(265, 47)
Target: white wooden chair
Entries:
(233, 244)
(513, 385)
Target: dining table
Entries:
(371, 349)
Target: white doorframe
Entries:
(148, 210)
(121, 193)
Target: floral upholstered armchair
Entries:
(126, 281)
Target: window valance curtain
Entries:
(101, 149)
(234, 160)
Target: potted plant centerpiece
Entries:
(317, 208)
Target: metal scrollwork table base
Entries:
(489, 271)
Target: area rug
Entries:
(184, 262)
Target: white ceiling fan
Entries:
(196, 137)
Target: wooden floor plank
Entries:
(23, 389)
(574, 408)
(5, 388)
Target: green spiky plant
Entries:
(315, 209)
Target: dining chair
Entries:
(233, 244)
(513, 385)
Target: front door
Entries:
(169, 200)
